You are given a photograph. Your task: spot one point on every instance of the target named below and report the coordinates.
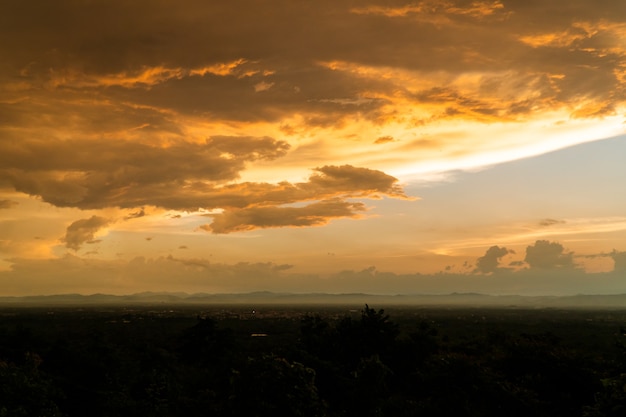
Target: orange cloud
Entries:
(222, 68)
(384, 139)
(184, 176)
(83, 230)
(476, 9)
(315, 214)
(144, 77)
(147, 77)
(127, 174)
(111, 109)
(6, 204)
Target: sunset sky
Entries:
(389, 147)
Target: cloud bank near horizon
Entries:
(175, 273)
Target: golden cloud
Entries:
(83, 230)
(475, 9)
(314, 214)
(7, 204)
(107, 105)
(97, 174)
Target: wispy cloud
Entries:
(6, 204)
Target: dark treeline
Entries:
(462, 363)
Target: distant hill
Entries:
(264, 297)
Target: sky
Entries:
(389, 147)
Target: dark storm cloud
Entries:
(214, 159)
(185, 176)
(320, 93)
(57, 115)
(97, 174)
(566, 51)
(83, 231)
(101, 101)
(105, 45)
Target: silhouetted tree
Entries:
(379, 332)
(610, 400)
(317, 336)
(273, 386)
(204, 341)
(25, 392)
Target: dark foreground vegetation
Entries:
(312, 362)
